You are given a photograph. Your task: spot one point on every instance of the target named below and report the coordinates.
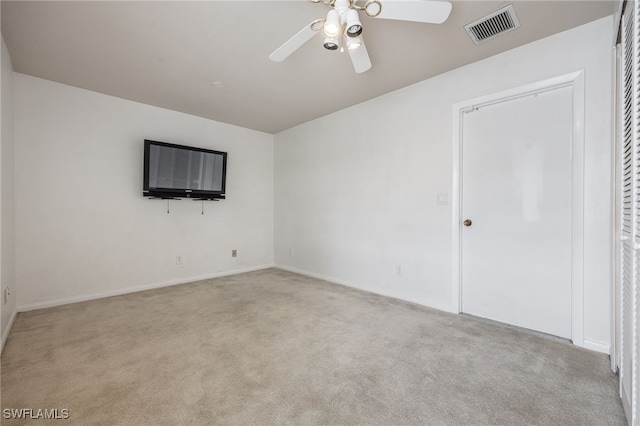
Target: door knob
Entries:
(467, 222)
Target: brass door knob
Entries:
(467, 222)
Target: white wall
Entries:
(355, 191)
(83, 228)
(7, 234)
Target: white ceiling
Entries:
(168, 53)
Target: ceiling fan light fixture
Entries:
(332, 24)
(354, 26)
(342, 27)
(373, 8)
(331, 43)
(317, 25)
(353, 42)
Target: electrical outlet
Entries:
(234, 253)
(399, 270)
(178, 260)
(7, 293)
(290, 251)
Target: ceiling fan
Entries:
(342, 27)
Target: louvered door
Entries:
(630, 213)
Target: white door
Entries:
(516, 191)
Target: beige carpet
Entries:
(275, 348)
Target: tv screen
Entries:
(178, 171)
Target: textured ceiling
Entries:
(167, 54)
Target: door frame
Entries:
(574, 80)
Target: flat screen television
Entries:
(178, 171)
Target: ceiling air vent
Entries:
(500, 22)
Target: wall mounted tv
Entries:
(178, 171)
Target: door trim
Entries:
(574, 80)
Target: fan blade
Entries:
(293, 44)
(431, 12)
(360, 58)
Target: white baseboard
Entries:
(5, 334)
(419, 301)
(596, 346)
(93, 296)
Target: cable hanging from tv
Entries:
(202, 200)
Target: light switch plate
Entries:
(443, 198)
